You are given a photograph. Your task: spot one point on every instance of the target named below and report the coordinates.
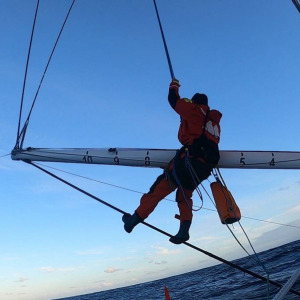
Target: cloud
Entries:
(204, 239)
(22, 279)
(294, 210)
(111, 270)
(279, 236)
(91, 252)
(107, 284)
(9, 258)
(160, 262)
(47, 269)
(284, 188)
(51, 269)
(165, 251)
(104, 284)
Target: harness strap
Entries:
(194, 178)
(188, 166)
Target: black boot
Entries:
(183, 233)
(130, 221)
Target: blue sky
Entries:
(107, 87)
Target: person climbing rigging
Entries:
(199, 133)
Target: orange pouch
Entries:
(228, 210)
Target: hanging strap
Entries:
(205, 121)
(164, 41)
(187, 164)
(194, 176)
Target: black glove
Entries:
(174, 83)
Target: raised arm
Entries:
(173, 96)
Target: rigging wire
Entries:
(196, 182)
(25, 76)
(164, 41)
(256, 255)
(257, 260)
(172, 75)
(23, 132)
(139, 192)
(163, 232)
(21, 136)
(297, 4)
(222, 182)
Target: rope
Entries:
(192, 170)
(25, 76)
(297, 4)
(225, 224)
(139, 192)
(222, 181)
(194, 176)
(21, 136)
(164, 41)
(163, 232)
(182, 189)
(257, 260)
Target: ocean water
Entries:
(220, 282)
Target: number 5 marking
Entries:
(242, 159)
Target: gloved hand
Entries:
(175, 83)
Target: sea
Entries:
(220, 282)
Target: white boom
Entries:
(158, 158)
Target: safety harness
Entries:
(204, 149)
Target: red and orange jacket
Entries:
(194, 119)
